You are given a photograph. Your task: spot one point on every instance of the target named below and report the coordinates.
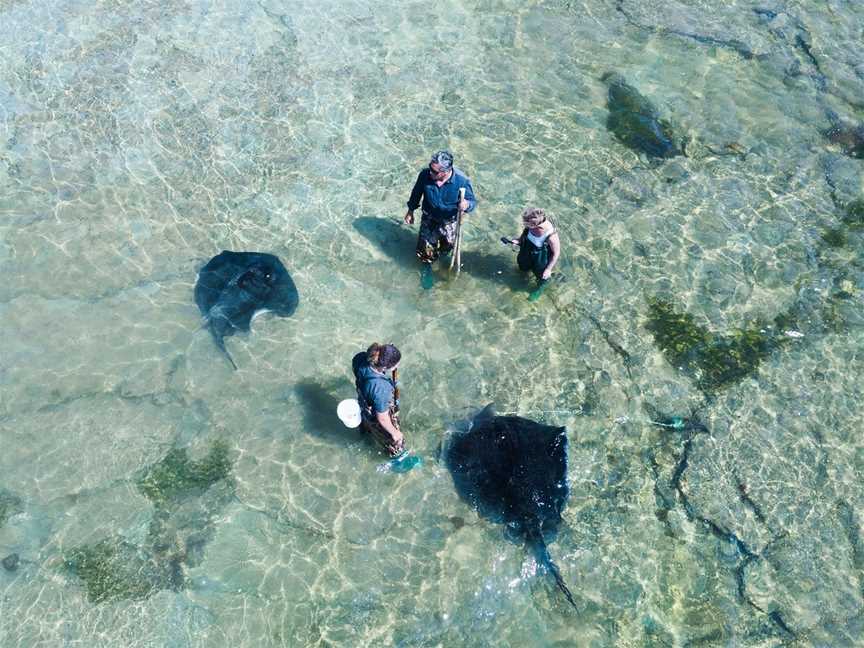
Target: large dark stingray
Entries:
(234, 286)
(514, 471)
(635, 121)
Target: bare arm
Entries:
(555, 246)
(414, 199)
(384, 420)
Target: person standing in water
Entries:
(539, 245)
(378, 396)
(438, 186)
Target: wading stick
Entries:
(457, 248)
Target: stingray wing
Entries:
(540, 486)
(283, 298)
(512, 470)
(234, 311)
(217, 275)
(217, 278)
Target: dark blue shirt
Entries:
(374, 390)
(441, 202)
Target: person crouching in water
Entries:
(539, 245)
(378, 396)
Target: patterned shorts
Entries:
(436, 238)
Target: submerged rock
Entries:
(635, 122)
(10, 562)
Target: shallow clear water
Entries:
(137, 140)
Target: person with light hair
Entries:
(539, 244)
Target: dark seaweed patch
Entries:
(834, 237)
(9, 505)
(181, 489)
(714, 361)
(177, 476)
(854, 216)
(113, 570)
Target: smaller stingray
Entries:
(635, 122)
(514, 471)
(234, 286)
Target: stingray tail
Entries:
(220, 342)
(542, 554)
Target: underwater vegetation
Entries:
(714, 361)
(836, 308)
(834, 237)
(177, 476)
(854, 216)
(114, 569)
(9, 505)
(851, 219)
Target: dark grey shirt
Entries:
(441, 203)
(374, 390)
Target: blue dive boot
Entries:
(401, 463)
(427, 279)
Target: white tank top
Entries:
(538, 241)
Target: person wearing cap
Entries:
(437, 190)
(377, 395)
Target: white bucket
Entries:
(348, 412)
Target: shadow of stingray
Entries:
(394, 239)
(319, 411)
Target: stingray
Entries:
(635, 122)
(514, 471)
(235, 286)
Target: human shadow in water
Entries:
(319, 410)
(399, 242)
(394, 239)
(494, 267)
